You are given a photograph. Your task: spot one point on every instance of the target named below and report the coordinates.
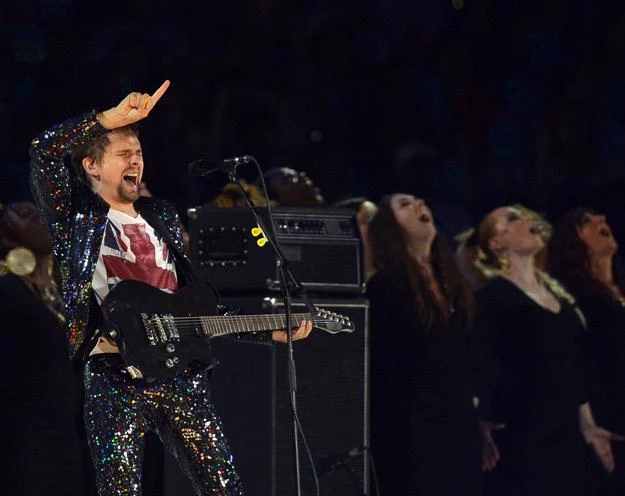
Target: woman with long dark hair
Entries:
(529, 376)
(424, 431)
(583, 255)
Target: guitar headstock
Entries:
(332, 322)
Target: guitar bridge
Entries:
(159, 328)
(149, 332)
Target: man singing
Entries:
(103, 233)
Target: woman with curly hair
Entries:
(529, 379)
(424, 431)
(583, 255)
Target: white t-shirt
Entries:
(131, 249)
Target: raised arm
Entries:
(52, 183)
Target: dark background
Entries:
(469, 104)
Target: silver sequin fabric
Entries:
(76, 218)
(119, 411)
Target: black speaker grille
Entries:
(250, 390)
(332, 402)
(325, 264)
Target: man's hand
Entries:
(304, 330)
(133, 108)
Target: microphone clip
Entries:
(203, 167)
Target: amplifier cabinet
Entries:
(322, 247)
(332, 402)
(250, 389)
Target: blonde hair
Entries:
(561, 292)
(490, 272)
(491, 266)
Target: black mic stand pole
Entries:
(290, 285)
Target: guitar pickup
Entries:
(169, 325)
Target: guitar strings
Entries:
(226, 318)
(212, 330)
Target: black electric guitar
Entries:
(160, 333)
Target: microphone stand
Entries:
(290, 286)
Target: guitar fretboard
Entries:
(229, 324)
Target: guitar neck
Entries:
(231, 324)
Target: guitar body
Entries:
(138, 315)
(158, 333)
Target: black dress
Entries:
(604, 344)
(529, 376)
(41, 451)
(424, 431)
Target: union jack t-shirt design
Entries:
(132, 250)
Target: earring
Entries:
(504, 264)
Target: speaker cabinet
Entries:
(251, 394)
(332, 401)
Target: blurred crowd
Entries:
(470, 103)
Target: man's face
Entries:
(118, 173)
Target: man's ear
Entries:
(90, 168)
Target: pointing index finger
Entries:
(160, 92)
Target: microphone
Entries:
(330, 463)
(202, 167)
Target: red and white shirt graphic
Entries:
(131, 249)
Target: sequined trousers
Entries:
(119, 411)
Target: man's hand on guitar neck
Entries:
(305, 327)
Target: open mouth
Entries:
(131, 180)
(605, 231)
(425, 218)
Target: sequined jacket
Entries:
(76, 217)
